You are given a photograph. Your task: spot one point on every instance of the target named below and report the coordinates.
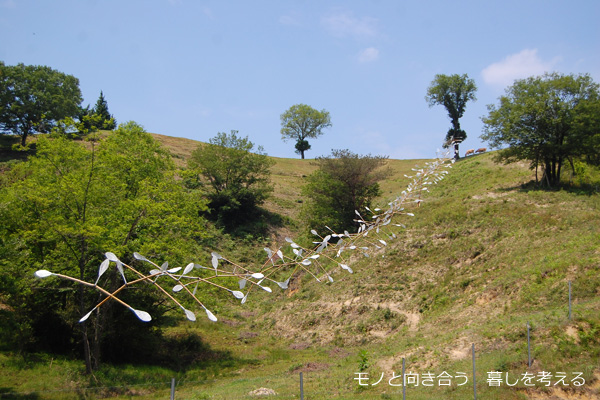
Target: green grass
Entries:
(485, 254)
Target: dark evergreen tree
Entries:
(107, 121)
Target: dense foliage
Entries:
(237, 179)
(34, 98)
(300, 122)
(65, 207)
(344, 183)
(547, 120)
(98, 117)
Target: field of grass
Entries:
(485, 255)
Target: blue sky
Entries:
(195, 68)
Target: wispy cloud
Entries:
(346, 25)
(516, 66)
(368, 55)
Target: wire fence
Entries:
(135, 389)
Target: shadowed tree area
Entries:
(344, 183)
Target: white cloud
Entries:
(344, 25)
(516, 66)
(369, 54)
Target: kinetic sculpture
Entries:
(328, 253)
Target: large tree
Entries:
(65, 207)
(301, 122)
(546, 120)
(344, 183)
(453, 92)
(33, 98)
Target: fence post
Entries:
(301, 387)
(403, 381)
(528, 347)
(474, 379)
(172, 388)
(569, 300)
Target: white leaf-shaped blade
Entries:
(266, 288)
(245, 298)
(284, 285)
(155, 271)
(103, 267)
(314, 232)
(330, 278)
(269, 252)
(382, 242)
(111, 256)
(120, 268)
(211, 316)
(294, 245)
(189, 315)
(142, 315)
(43, 273)
(188, 268)
(237, 294)
(195, 289)
(257, 275)
(215, 261)
(287, 239)
(242, 283)
(306, 262)
(280, 254)
(347, 268)
(173, 270)
(164, 266)
(140, 257)
(314, 256)
(86, 316)
(177, 288)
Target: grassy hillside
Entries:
(486, 254)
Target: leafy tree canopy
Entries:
(344, 182)
(63, 209)
(547, 120)
(34, 98)
(301, 122)
(237, 178)
(453, 92)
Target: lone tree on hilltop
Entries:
(33, 98)
(301, 122)
(547, 120)
(453, 92)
